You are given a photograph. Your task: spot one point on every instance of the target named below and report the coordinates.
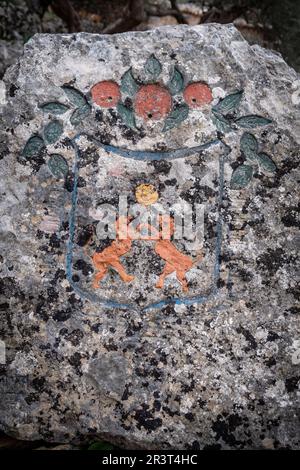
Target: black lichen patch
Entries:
(74, 337)
(83, 266)
(12, 90)
(249, 337)
(162, 167)
(294, 291)
(272, 336)
(171, 182)
(245, 275)
(224, 428)
(84, 234)
(270, 261)
(197, 193)
(75, 361)
(89, 157)
(35, 161)
(69, 182)
(126, 393)
(291, 383)
(62, 315)
(145, 419)
(39, 384)
(291, 218)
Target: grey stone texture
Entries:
(214, 367)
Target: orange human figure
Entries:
(175, 260)
(110, 256)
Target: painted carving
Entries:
(110, 256)
(168, 100)
(197, 95)
(106, 94)
(175, 261)
(153, 102)
(150, 100)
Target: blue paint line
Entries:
(144, 155)
(217, 267)
(216, 272)
(104, 302)
(178, 301)
(72, 215)
(151, 155)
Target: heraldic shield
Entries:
(145, 161)
(146, 226)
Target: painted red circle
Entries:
(197, 95)
(106, 94)
(152, 102)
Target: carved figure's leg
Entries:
(168, 269)
(102, 270)
(121, 271)
(182, 279)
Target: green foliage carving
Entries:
(127, 115)
(252, 121)
(229, 103)
(53, 131)
(153, 67)
(75, 96)
(80, 114)
(176, 116)
(241, 177)
(128, 84)
(175, 85)
(249, 146)
(54, 108)
(266, 162)
(33, 146)
(221, 122)
(250, 149)
(58, 165)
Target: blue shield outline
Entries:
(150, 156)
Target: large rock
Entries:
(188, 118)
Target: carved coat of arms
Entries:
(147, 218)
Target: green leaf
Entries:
(252, 121)
(33, 146)
(222, 123)
(153, 66)
(176, 116)
(241, 177)
(229, 103)
(127, 115)
(266, 162)
(175, 85)
(54, 108)
(75, 96)
(80, 114)
(58, 165)
(53, 131)
(249, 146)
(128, 84)
(100, 446)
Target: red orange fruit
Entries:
(197, 95)
(152, 102)
(106, 94)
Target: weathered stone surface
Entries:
(204, 118)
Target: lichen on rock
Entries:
(155, 343)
